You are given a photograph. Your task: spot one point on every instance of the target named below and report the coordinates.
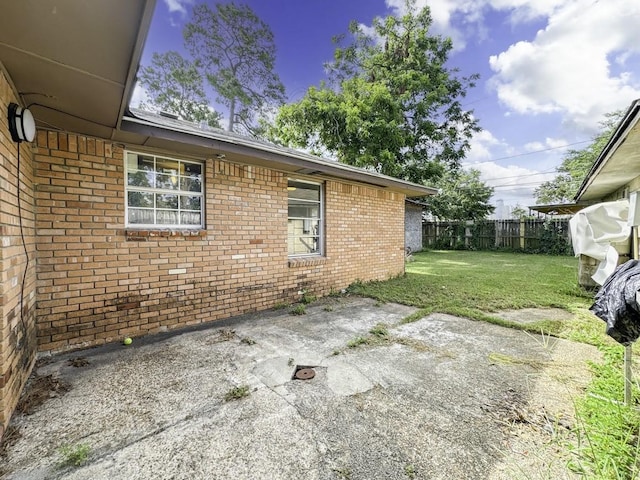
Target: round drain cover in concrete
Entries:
(305, 374)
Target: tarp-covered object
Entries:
(596, 229)
(616, 303)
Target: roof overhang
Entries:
(74, 62)
(157, 132)
(559, 209)
(619, 161)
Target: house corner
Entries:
(18, 343)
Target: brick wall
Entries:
(17, 290)
(98, 281)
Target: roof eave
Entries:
(266, 154)
(136, 57)
(631, 116)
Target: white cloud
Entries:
(548, 144)
(178, 6)
(442, 13)
(468, 15)
(527, 10)
(578, 66)
(481, 144)
(534, 146)
(566, 69)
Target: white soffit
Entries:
(72, 61)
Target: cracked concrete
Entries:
(429, 404)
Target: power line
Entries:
(545, 172)
(530, 153)
(475, 101)
(517, 185)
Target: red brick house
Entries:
(118, 224)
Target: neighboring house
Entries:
(557, 210)
(117, 223)
(413, 225)
(616, 171)
(615, 175)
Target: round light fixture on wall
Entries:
(22, 126)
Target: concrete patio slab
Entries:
(442, 397)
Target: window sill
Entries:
(134, 235)
(306, 261)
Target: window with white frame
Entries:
(305, 218)
(163, 192)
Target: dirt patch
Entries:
(220, 336)
(10, 437)
(38, 390)
(533, 315)
(78, 362)
(509, 410)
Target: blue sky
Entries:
(550, 69)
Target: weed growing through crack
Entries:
(298, 310)
(544, 342)
(290, 362)
(236, 393)
(328, 308)
(500, 358)
(248, 341)
(377, 335)
(380, 330)
(74, 455)
(410, 471)
(356, 342)
(281, 306)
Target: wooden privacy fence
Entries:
(534, 236)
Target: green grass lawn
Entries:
(478, 284)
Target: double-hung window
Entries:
(163, 192)
(305, 218)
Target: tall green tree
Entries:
(237, 53)
(174, 85)
(461, 196)
(391, 105)
(519, 213)
(576, 165)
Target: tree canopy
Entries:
(236, 51)
(174, 85)
(576, 165)
(391, 105)
(519, 213)
(461, 196)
